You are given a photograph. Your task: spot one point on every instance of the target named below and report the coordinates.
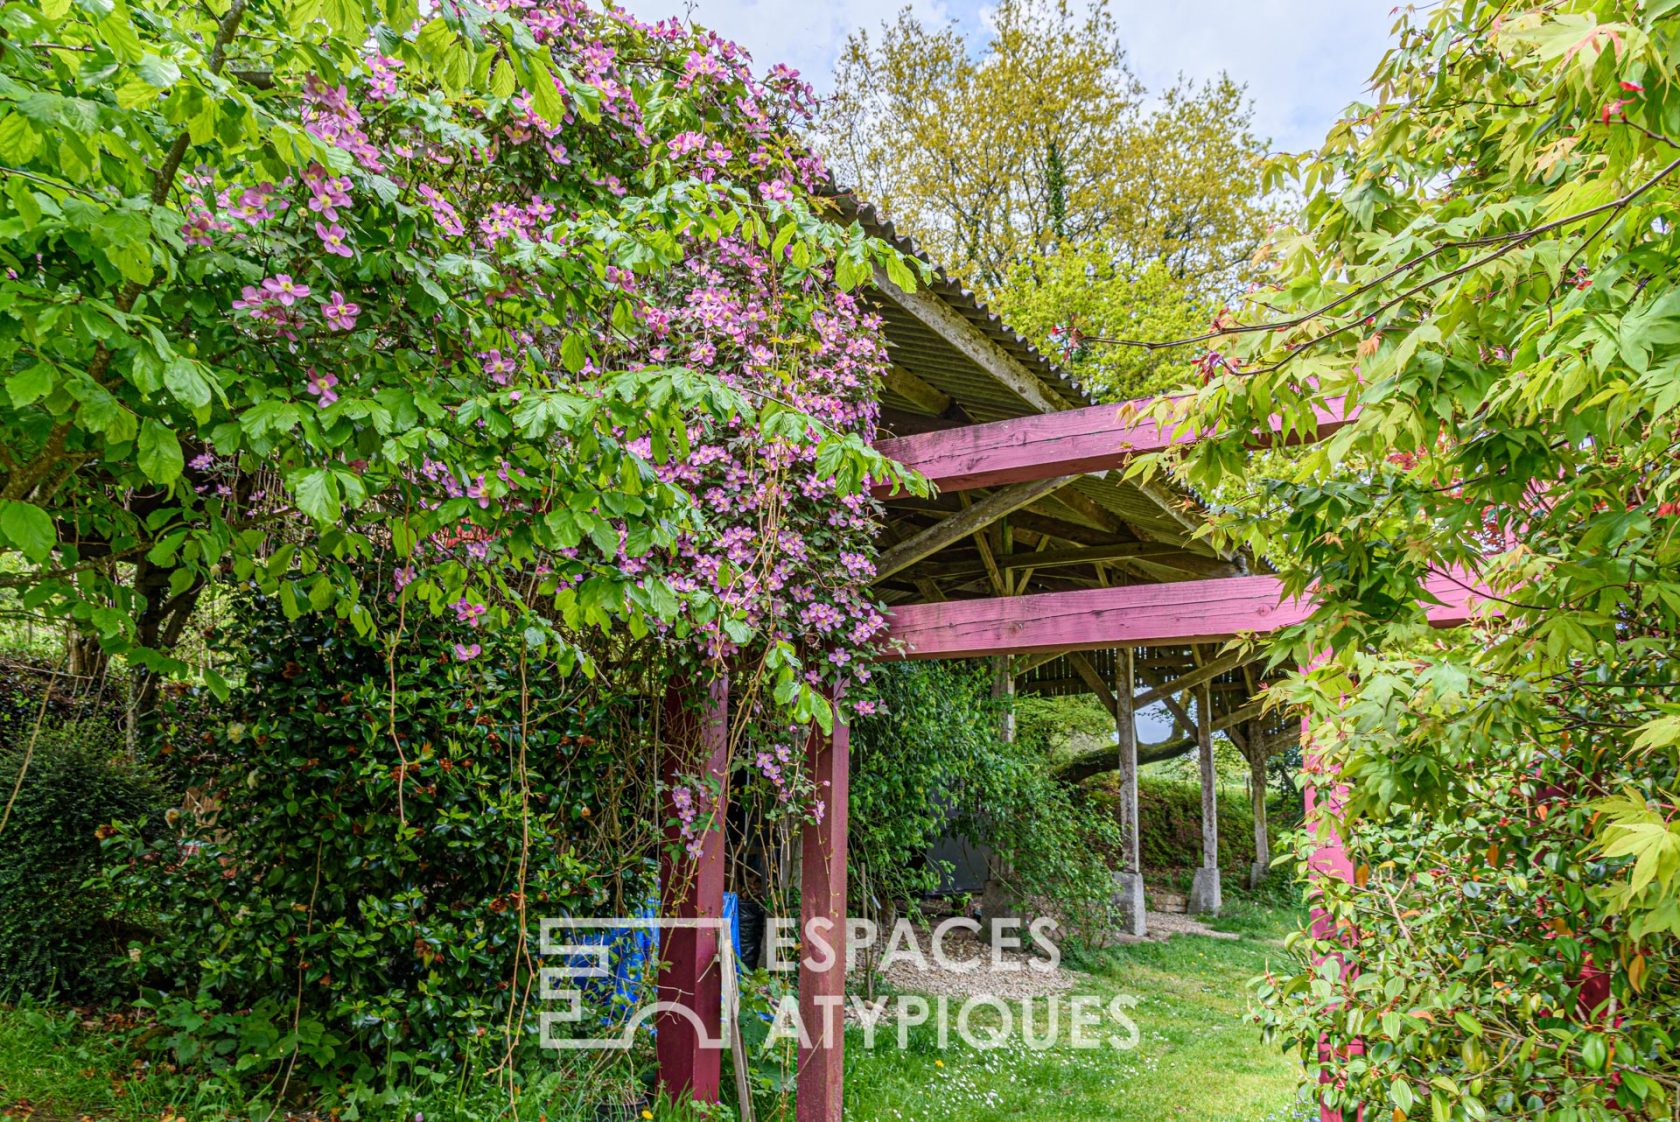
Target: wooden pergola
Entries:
(1033, 553)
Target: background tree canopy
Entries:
(1038, 169)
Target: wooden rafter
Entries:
(963, 524)
(917, 392)
(979, 347)
(1203, 673)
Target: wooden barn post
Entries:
(822, 919)
(1257, 800)
(690, 1062)
(1128, 882)
(1204, 890)
(1324, 797)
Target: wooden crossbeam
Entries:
(927, 398)
(1062, 558)
(1070, 442)
(1202, 611)
(962, 524)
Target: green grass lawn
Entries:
(1197, 1060)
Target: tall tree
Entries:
(1485, 269)
(992, 153)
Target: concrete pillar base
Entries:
(1128, 895)
(1205, 897)
(1258, 872)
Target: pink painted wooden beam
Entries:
(1200, 611)
(697, 744)
(1072, 442)
(822, 918)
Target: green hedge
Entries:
(57, 937)
(1171, 817)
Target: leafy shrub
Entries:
(932, 761)
(378, 822)
(56, 938)
(1170, 817)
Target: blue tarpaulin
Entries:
(631, 949)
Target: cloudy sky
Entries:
(1302, 60)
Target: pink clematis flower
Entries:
(284, 289)
(321, 385)
(332, 239)
(466, 652)
(340, 314)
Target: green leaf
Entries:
(55, 9)
(29, 386)
(160, 452)
(18, 139)
(899, 273)
(316, 491)
(186, 381)
(28, 528)
(160, 72)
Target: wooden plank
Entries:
(1022, 665)
(1000, 585)
(692, 888)
(1204, 673)
(822, 919)
(962, 524)
(966, 337)
(917, 392)
(1202, 611)
(1257, 805)
(1102, 759)
(1126, 724)
(1209, 777)
(1074, 441)
(1088, 674)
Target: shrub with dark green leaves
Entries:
(379, 825)
(57, 938)
(933, 761)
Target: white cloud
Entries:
(1302, 60)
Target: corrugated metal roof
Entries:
(935, 360)
(921, 350)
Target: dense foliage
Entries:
(350, 903)
(933, 762)
(991, 153)
(502, 360)
(1036, 167)
(1485, 269)
(1074, 291)
(60, 939)
(291, 286)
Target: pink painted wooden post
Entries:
(692, 888)
(822, 911)
(1072, 442)
(1330, 860)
